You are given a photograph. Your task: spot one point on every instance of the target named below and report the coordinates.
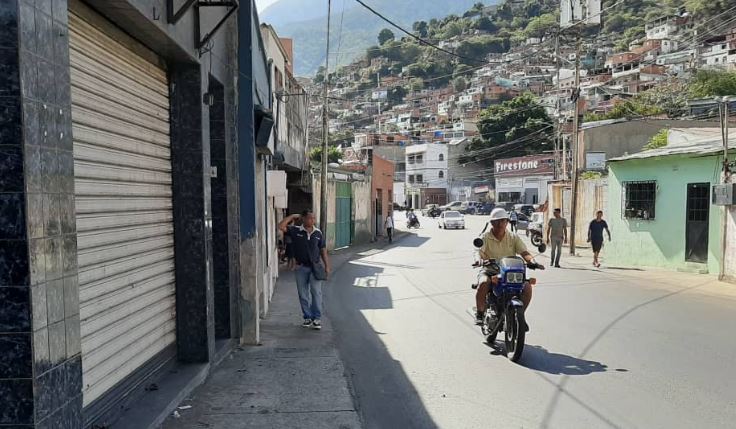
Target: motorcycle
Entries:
(504, 307)
(435, 212)
(535, 231)
(412, 223)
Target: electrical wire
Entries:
(414, 36)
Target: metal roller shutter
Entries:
(122, 169)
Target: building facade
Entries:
(135, 188)
(426, 174)
(523, 179)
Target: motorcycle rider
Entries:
(412, 217)
(499, 243)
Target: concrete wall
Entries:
(593, 196)
(661, 242)
(362, 212)
(382, 179)
(628, 137)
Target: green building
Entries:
(660, 210)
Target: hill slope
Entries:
(359, 26)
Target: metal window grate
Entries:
(639, 200)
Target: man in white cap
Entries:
(499, 243)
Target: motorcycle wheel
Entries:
(536, 240)
(515, 333)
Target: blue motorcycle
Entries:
(504, 308)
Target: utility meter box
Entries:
(724, 194)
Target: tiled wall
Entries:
(39, 296)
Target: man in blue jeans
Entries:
(308, 247)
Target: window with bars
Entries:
(639, 200)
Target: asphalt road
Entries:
(608, 348)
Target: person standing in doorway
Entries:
(312, 264)
(389, 225)
(513, 219)
(556, 235)
(595, 235)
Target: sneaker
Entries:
(316, 324)
(307, 323)
(557, 265)
(478, 318)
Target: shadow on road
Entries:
(540, 359)
(385, 396)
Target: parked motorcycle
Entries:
(535, 231)
(504, 308)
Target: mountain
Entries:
(305, 22)
(284, 12)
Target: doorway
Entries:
(696, 222)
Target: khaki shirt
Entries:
(509, 245)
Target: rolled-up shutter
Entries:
(122, 169)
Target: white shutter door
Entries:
(122, 169)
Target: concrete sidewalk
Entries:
(294, 379)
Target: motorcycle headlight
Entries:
(514, 278)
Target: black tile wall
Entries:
(40, 377)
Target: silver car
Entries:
(451, 219)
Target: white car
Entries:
(452, 219)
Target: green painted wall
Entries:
(660, 242)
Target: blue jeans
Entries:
(309, 287)
(556, 250)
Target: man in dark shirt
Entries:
(595, 235)
(310, 253)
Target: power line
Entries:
(414, 36)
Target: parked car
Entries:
(455, 205)
(527, 209)
(485, 209)
(428, 208)
(522, 222)
(451, 219)
(469, 207)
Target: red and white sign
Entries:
(535, 165)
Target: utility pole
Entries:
(325, 132)
(575, 144)
(558, 139)
(723, 113)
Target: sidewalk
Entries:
(294, 379)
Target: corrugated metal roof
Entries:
(689, 141)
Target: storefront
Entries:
(523, 180)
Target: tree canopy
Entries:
(385, 35)
(506, 123)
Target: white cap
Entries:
(498, 214)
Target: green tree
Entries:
(373, 52)
(542, 25)
(459, 84)
(713, 83)
(658, 140)
(509, 122)
(385, 35)
(485, 24)
(333, 154)
(421, 28)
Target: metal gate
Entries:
(122, 169)
(343, 214)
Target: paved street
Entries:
(608, 348)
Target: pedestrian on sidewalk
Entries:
(595, 235)
(389, 225)
(556, 235)
(513, 218)
(312, 264)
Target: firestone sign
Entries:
(525, 166)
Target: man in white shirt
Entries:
(389, 225)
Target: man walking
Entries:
(595, 235)
(389, 225)
(312, 264)
(557, 232)
(513, 219)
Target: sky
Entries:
(262, 4)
